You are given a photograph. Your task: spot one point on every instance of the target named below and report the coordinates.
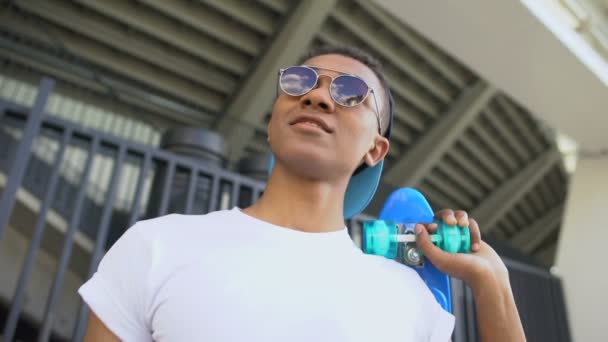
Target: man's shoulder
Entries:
(184, 231)
(181, 221)
(388, 267)
(394, 272)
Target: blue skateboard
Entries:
(393, 237)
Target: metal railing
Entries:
(202, 188)
(165, 182)
(539, 299)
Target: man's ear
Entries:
(377, 152)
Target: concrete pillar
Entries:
(581, 255)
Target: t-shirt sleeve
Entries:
(439, 323)
(117, 292)
(442, 324)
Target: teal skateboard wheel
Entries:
(380, 238)
(452, 239)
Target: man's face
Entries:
(348, 136)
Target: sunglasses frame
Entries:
(341, 74)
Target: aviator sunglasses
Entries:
(346, 90)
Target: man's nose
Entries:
(319, 98)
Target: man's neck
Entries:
(301, 204)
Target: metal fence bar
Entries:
(164, 200)
(256, 194)
(528, 269)
(459, 310)
(234, 193)
(143, 173)
(104, 227)
(22, 156)
(470, 315)
(3, 107)
(559, 306)
(551, 317)
(215, 188)
(67, 245)
(191, 188)
(24, 276)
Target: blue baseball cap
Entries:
(364, 181)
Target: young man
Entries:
(285, 269)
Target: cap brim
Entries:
(361, 189)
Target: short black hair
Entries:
(386, 114)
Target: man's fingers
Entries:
(447, 216)
(475, 235)
(462, 217)
(432, 252)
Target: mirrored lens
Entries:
(348, 90)
(297, 80)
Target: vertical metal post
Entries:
(22, 156)
(2, 108)
(102, 234)
(215, 188)
(164, 199)
(256, 194)
(459, 310)
(234, 193)
(471, 316)
(19, 294)
(143, 173)
(66, 252)
(191, 189)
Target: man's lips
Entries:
(313, 120)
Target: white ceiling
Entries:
(514, 50)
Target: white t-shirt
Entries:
(227, 276)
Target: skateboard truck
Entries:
(393, 236)
(384, 238)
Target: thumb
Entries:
(437, 257)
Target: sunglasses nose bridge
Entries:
(319, 82)
(320, 95)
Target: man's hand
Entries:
(478, 267)
(483, 271)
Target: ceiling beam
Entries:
(460, 175)
(120, 64)
(91, 97)
(358, 22)
(463, 160)
(480, 153)
(497, 204)
(280, 6)
(425, 154)
(164, 110)
(433, 56)
(529, 238)
(204, 20)
(246, 12)
(167, 30)
(99, 28)
(498, 150)
(518, 120)
(255, 98)
(501, 123)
